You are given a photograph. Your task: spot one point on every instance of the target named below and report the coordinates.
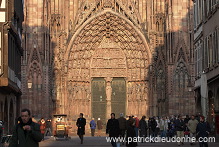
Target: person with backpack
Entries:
(26, 133)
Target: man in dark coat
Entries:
(131, 133)
(143, 127)
(152, 126)
(48, 127)
(26, 133)
(81, 122)
(112, 128)
(122, 125)
(203, 129)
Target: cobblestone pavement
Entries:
(101, 142)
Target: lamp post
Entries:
(29, 85)
(190, 86)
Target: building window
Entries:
(194, 18)
(181, 78)
(210, 47)
(215, 47)
(198, 58)
(217, 36)
(206, 8)
(209, 6)
(160, 83)
(200, 11)
(205, 53)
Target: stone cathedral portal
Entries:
(106, 69)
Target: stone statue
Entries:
(108, 91)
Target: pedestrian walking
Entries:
(131, 133)
(192, 126)
(203, 130)
(163, 127)
(152, 126)
(92, 126)
(143, 127)
(99, 127)
(122, 125)
(42, 124)
(157, 130)
(81, 122)
(171, 129)
(48, 127)
(180, 128)
(26, 133)
(113, 129)
(136, 125)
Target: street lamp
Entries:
(190, 86)
(29, 85)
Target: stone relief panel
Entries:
(79, 91)
(137, 96)
(107, 47)
(108, 60)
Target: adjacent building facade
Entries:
(169, 29)
(101, 56)
(206, 45)
(11, 18)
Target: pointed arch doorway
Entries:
(110, 56)
(108, 86)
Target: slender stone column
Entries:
(108, 96)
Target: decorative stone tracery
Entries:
(107, 46)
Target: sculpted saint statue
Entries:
(108, 91)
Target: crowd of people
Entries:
(193, 126)
(174, 126)
(29, 132)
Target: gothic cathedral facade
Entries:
(101, 56)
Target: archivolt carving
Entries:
(107, 46)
